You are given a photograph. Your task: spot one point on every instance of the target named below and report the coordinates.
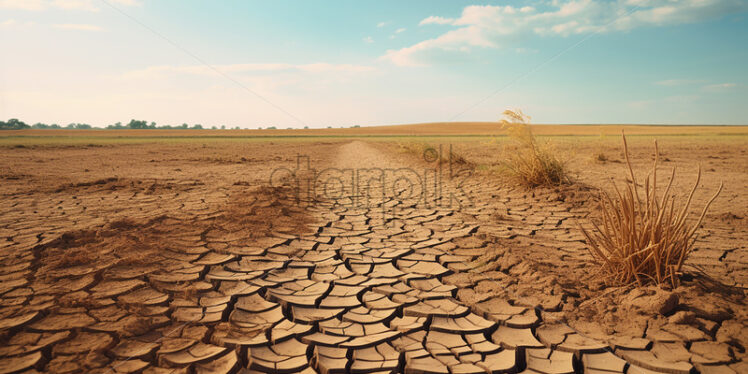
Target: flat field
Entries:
(458, 129)
(342, 250)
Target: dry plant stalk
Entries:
(532, 163)
(643, 238)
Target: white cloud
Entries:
(461, 39)
(398, 31)
(368, 39)
(490, 26)
(436, 20)
(720, 86)
(383, 24)
(77, 26)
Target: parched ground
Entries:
(180, 258)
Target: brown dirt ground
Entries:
(531, 263)
(109, 210)
(68, 209)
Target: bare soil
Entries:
(710, 302)
(148, 257)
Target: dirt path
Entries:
(386, 280)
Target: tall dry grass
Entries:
(643, 238)
(531, 162)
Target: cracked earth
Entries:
(212, 272)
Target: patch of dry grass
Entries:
(643, 238)
(529, 161)
(429, 153)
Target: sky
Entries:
(342, 63)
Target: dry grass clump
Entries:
(643, 238)
(531, 162)
(429, 153)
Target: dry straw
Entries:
(643, 238)
(532, 163)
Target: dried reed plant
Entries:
(531, 162)
(643, 238)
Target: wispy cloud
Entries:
(398, 31)
(383, 24)
(368, 39)
(436, 20)
(489, 26)
(719, 86)
(77, 26)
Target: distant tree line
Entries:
(16, 124)
(144, 125)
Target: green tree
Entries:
(13, 124)
(137, 124)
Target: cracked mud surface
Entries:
(209, 271)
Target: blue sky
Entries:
(341, 63)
